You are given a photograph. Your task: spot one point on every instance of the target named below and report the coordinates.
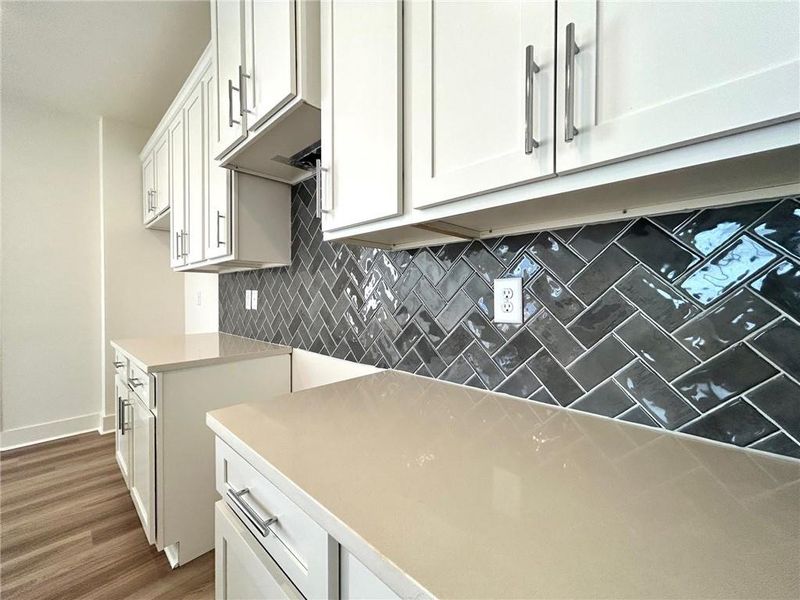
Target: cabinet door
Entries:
(243, 569)
(196, 161)
(479, 113)
(124, 444)
(218, 198)
(177, 187)
(270, 44)
(649, 76)
(143, 464)
(161, 199)
(361, 51)
(226, 35)
(148, 187)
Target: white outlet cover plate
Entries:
(508, 310)
(247, 299)
(253, 299)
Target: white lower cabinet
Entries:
(143, 465)
(124, 439)
(166, 452)
(268, 547)
(244, 569)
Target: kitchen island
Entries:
(446, 491)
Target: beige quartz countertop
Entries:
(452, 492)
(168, 353)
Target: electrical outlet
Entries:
(254, 299)
(508, 300)
(247, 299)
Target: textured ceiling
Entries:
(123, 60)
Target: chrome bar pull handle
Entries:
(570, 131)
(177, 245)
(261, 524)
(184, 243)
(319, 195)
(231, 120)
(124, 424)
(134, 381)
(118, 365)
(531, 68)
(242, 92)
(219, 216)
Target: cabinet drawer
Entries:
(243, 569)
(305, 552)
(121, 364)
(139, 382)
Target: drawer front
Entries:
(121, 364)
(140, 383)
(305, 552)
(243, 568)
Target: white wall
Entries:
(142, 296)
(201, 302)
(49, 323)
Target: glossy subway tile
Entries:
(721, 274)
(727, 375)
(659, 351)
(781, 226)
(556, 296)
(429, 311)
(657, 250)
(713, 227)
(735, 423)
(661, 302)
(660, 401)
(739, 316)
(781, 286)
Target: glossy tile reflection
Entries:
(658, 300)
(556, 297)
(727, 323)
(715, 278)
(782, 226)
(781, 285)
(729, 374)
(711, 228)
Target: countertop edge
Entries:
(391, 574)
(278, 350)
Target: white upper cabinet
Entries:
(479, 97)
(196, 162)
(161, 197)
(268, 82)
(647, 76)
(217, 206)
(228, 47)
(220, 220)
(269, 62)
(177, 182)
(148, 187)
(361, 168)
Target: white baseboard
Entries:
(106, 424)
(44, 432)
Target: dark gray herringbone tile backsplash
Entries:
(687, 322)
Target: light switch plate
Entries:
(247, 299)
(254, 299)
(508, 300)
